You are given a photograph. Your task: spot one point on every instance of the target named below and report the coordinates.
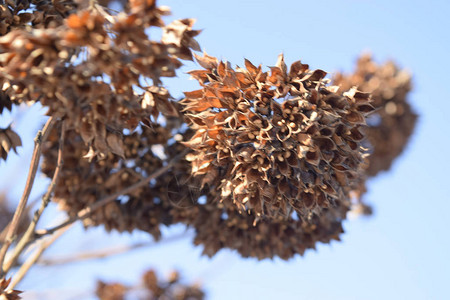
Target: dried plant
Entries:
(83, 182)
(9, 140)
(275, 142)
(90, 69)
(6, 293)
(153, 289)
(267, 163)
(218, 227)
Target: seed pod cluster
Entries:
(218, 227)
(392, 123)
(27, 14)
(154, 287)
(90, 70)
(83, 182)
(275, 142)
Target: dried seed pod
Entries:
(5, 102)
(6, 293)
(9, 140)
(286, 133)
(392, 123)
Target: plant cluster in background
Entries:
(152, 288)
(265, 162)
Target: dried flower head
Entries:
(391, 125)
(274, 142)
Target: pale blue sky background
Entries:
(402, 252)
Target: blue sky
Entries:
(402, 252)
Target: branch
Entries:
(93, 207)
(28, 236)
(40, 138)
(44, 244)
(98, 254)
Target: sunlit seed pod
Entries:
(306, 121)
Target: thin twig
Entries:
(98, 254)
(25, 267)
(40, 137)
(28, 236)
(102, 202)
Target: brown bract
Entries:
(391, 125)
(9, 140)
(6, 293)
(5, 102)
(274, 142)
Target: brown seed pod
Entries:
(278, 141)
(6, 293)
